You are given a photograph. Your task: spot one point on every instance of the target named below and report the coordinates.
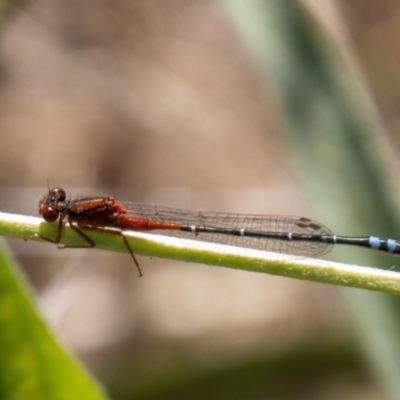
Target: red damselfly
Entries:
(283, 234)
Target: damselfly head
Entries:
(49, 207)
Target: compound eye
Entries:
(48, 213)
(58, 194)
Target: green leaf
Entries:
(33, 364)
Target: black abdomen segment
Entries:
(386, 245)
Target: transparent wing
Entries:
(249, 223)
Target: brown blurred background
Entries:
(159, 101)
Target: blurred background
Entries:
(163, 102)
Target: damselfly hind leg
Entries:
(105, 230)
(89, 242)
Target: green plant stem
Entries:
(152, 245)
